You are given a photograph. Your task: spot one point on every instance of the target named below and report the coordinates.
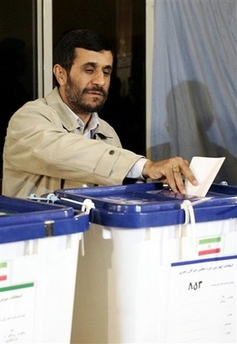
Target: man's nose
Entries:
(99, 78)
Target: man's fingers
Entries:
(172, 171)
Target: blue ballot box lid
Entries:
(22, 219)
(150, 204)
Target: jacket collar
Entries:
(54, 100)
(70, 123)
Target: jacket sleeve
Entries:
(37, 143)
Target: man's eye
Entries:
(107, 72)
(89, 70)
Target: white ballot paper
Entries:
(205, 170)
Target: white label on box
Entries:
(202, 301)
(17, 306)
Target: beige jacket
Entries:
(44, 151)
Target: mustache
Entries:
(96, 89)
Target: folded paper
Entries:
(205, 170)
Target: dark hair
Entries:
(64, 52)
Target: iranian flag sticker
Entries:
(3, 272)
(209, 246)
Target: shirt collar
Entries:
(92, 125)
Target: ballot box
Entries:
(39, 246)
(160, 267)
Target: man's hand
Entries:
(170, 171)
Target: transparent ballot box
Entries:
(159, 267)
(39, 246)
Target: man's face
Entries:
(87, 84)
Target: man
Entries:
(60, 142)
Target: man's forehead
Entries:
(85, 56)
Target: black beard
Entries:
(76, 103)
(83, 107)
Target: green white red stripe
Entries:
(209, 246)
(3, 271)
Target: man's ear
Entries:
(60, 74)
